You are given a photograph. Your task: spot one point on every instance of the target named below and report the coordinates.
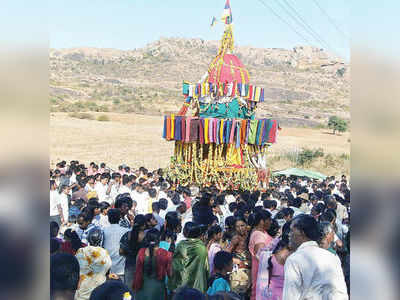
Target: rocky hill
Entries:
(303, 86)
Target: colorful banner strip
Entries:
(246, 91)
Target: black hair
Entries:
(185, 293)
(62, 187)
(270, 204)
(213, 231)
(86, 215)
(93, 204)
(124, 199)
(283, 243)
(166, 234)
(54, 228)
(152, 193)
(155, 206)
(114, 215)
(222, 259)
(64, 273)
(74, 238)
(125, 179)
(110, 290)
(95, 237)
(274, 228)
(205, 199)
(327, 216)
(54, 245)
(151, 240)
(296, 202)
(104, 205)
(52, 182)
(287, 211)
(163, 203)
(220, 199)
(176, 199)
(148, 217)
(233, 206)
(138, 223)
(194, 230)
(115, 175)
(308, 225)
(255, 219)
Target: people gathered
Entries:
(134, 234)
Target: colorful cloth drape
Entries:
(220, 131)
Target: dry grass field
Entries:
(137, 140)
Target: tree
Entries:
(337, 124)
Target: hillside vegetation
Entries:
(303, 86)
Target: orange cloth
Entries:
(243, 132)
(168, 128)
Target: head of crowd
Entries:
(130, 233)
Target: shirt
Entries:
(114, 191)
(125, 189)
(63, 200)
(124, 222)
(142, 202)
(112, 237)
(219, 285)
(79, 194)
(101, 190)
(103, 222)
(83, 233)
(160, 221)
(313, 273)
(54, 201)
(341, 212)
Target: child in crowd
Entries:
(223, 265)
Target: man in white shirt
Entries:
(283, 187)
(311, 272)
(115, 186)
(56, 212)
(112, 237)
(103, 189)
(142, 198)
(126, 186)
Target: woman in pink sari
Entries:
(271, 272)
(259, 238)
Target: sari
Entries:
(190, 266)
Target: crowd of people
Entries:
(132, 234)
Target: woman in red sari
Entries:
(152, 265)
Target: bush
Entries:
(81, 116)
(307, 156)
(337, 124)
(103, 118)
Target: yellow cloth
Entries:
(172, 126)
(91, 195)
(206, 131)
(94, 262)
(233, 155)
(150, 205)
(257, 96)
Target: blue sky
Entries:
(128, 24)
